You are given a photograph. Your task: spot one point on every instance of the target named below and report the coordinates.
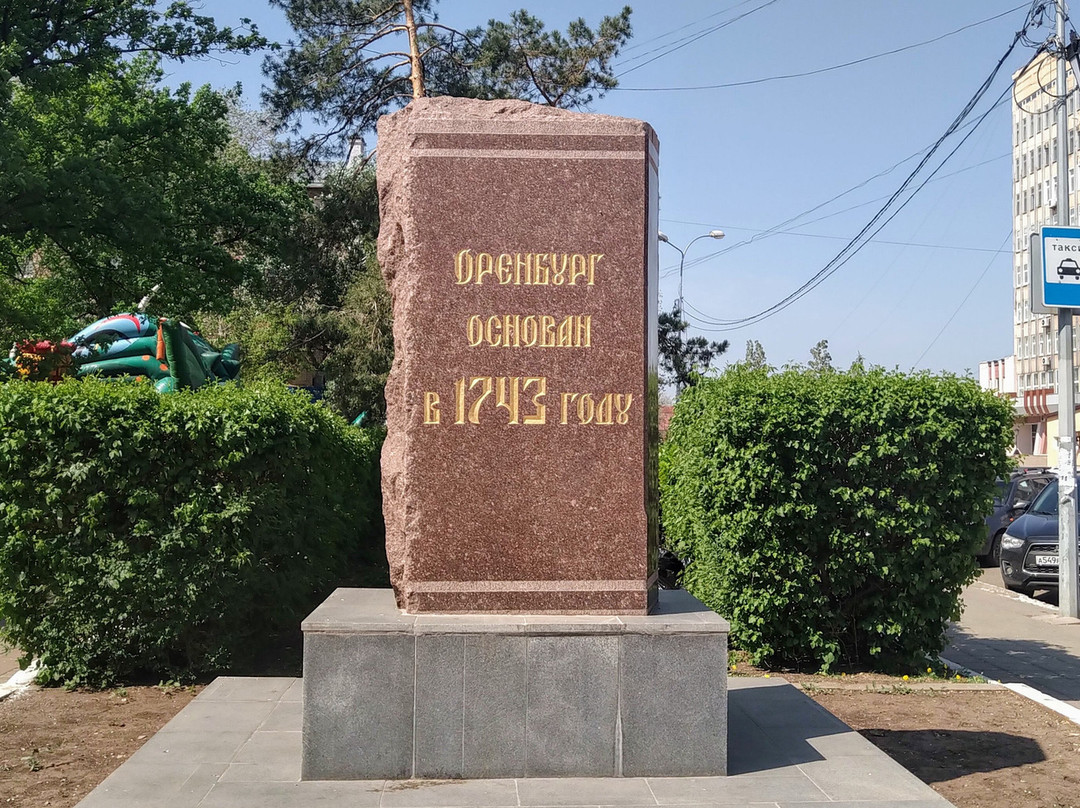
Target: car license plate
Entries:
(1046, 561)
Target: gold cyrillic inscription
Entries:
(539, 415)
(507, 393)
(529, 331)
(584, 409)
(603, 410)
(431, 408)
(526, 269)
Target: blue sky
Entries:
(932, 290)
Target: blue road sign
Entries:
(1061, 266)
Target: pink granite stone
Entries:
(519, 470)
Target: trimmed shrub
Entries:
(167, 534)
(832, 517)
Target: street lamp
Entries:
(717, 234)
(680, 325)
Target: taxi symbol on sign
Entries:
(1068, 267)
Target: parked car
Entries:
(1013, 496)
(1029, 547)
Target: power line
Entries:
(787, 76)
(778, 228)
(642, 42)
(692, 39)
(857, 243)
(971, 291)
(775, 231)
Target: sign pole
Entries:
(1067, 555)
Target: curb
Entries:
(1027, 691)
(19, 681)
(882, 687)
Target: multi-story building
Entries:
(1035, 178)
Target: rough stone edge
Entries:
(392, 180)
(506, 113)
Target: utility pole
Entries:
(1068, 599)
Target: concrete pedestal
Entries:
(399, 696)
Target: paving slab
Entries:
(1014, 639)
(238, 745)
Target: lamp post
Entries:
(680, 324)
(717, 234)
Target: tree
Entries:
(322, 308)
(357, 59)
(520, 59)
(755, 354)
(682, 359)
(820, 358)
(49, 42)
(112, 186)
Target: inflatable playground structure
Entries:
(130, 346)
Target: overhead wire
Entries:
(971, 291)
(775, 231)
(857, 243)
(692, 39)
(642, 42)
(818, 71)
(883, 217)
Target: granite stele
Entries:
(527, 638)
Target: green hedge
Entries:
(167, 534)
(832, 517)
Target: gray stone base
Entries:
(397, 696)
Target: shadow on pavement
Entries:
(771, 726)
(940, 755)
(1044, 666)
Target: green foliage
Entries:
(166, 535)
(351, 63)
(683, 359)
(323, 309)
(832, 517)
(521, 59)
(47, 42)
(111, 186)
(820, 358)
(755, 355)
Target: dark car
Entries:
(1029, 548)
(1012, 497)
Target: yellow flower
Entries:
(929, 670)
(767, 675)
(905, 677)
(958, 677)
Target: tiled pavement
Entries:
(238, 746)
(1017, 640)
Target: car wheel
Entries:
(995, 550)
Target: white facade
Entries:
(999, 376)
(1034, 198)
